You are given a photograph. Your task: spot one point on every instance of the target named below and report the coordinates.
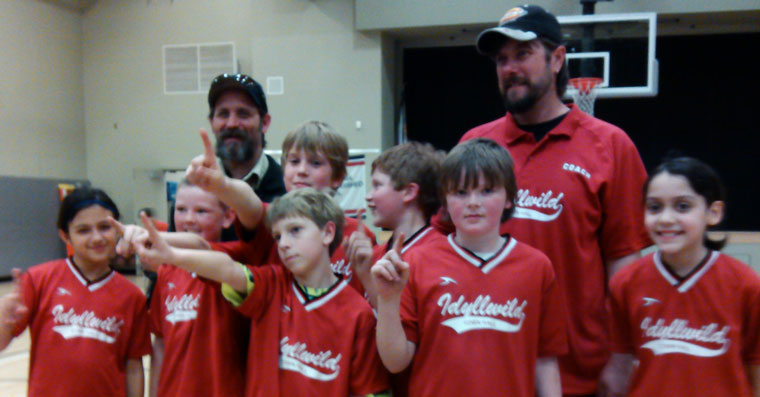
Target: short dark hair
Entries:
(480, 156)
(702, 178)
(81, 198)
(414, 162)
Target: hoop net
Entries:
(584, 94)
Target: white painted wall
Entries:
(41, 103)
(401, 14)
(331, 73)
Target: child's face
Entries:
(200, 212)
(477, 212)
(384, 201)
(676, 216)
(302, 169)
(92, 238)
(302, 245)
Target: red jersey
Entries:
(205, 338)
(322, 347)
(338, 261)
(579, 202)
(692, 335)
(418, 239)
(480, 325)
(83, 333)
(253, 244)
(400, 381)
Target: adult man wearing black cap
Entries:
(239, 118)
(579, 181)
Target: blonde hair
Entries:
(317, 136)
(185, 183)
(312, 204)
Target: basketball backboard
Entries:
(618, 48)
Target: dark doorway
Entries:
(708, 93)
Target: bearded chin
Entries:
(235, 151)
(520, 105)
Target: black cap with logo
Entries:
(523, 23)
(240, 82)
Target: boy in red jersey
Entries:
(313, 334)
(191, 319)
(313, 155)
(478, 309)
(403, 196)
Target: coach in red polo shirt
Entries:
(579, 180)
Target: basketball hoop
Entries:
(585, 92)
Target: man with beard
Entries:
(579, 180)
(239, 119)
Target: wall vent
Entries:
(189, 68)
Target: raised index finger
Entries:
(117, 225)
(16, 274)
(149, 226)
(360, 222)
(398, 243)
(209, 154)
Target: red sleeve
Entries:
(619, 326)
(139, 339)
(370, 234)
(554, 318)
(409, 319)
(29, 298)
(368, 375)
(156, 303)
(751, 326)
(442, 223)
(266, 280)
(255, 251)
(160, 225)
(378, 251)
(622, 231)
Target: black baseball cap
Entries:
(240, 82)
(523, 23)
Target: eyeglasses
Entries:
(240, 78)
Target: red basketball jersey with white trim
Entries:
(249, 250)
(338, 260)
(205, 338)
(692, 336)
(419, 239)
(480, 325)
(400, 381)
(325, 347)
(82, 335)
(579, 203)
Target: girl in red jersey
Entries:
(88, 324)
(687, 313)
